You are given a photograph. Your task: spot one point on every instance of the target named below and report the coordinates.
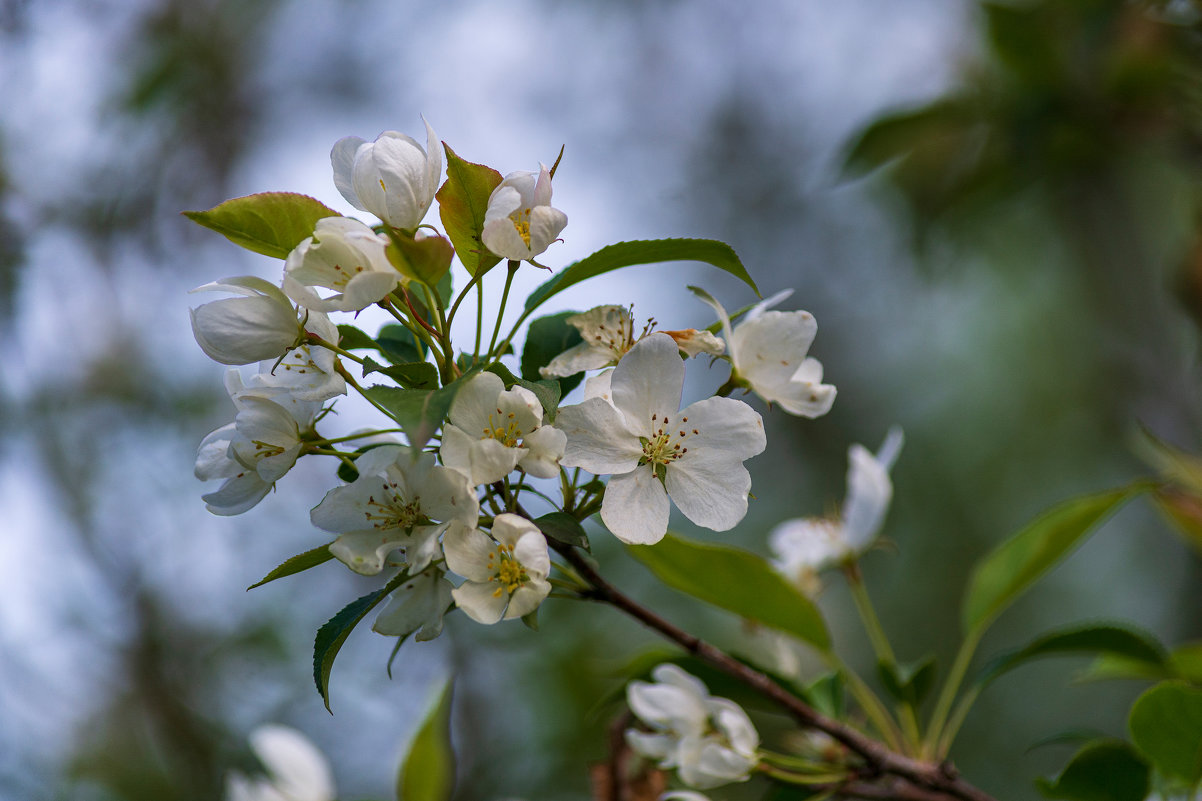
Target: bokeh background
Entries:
(993, 212)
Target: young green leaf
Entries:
(1012, 567)
(562, 527)
(297, 564)
(1104, 770)
(352, 338)
(909, 682)
(400, 345)
(428, 769)
(1117, 640)
(629, 254)
(1166, 725)
(416, 375)
(426, 260)
(419, 412)
(738, 581)
(462, 202)
(334, 632)
(546, 338)
(271, 223)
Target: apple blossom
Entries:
(710, 741)
(261, 324)
(242, 489)
(417, 605)
(399, 500)
(393, 177)
(308, 372)
(491, 430)
(805, 546)
(694, 455)
(296, 769)
(768, 355)
(506, 574)
(519, 222)
(345, 255)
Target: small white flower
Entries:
(398, 501)
(417, 605)
(768, 354)
(693, 342)
(519, 222)
(491, 430)
(261, 324)
(694, 455)
(345, 255)
(243, 487)
(506, 578)
(296, 769)
(608, 333)
(710, 741)
(393, 177)
(307, 373)
(805, 546)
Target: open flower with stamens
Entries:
(260, 323)
(709, 740)
(307, 373)
(519, 222)
(343, 255)
(393, 177)
(653, 451)
(398, 501)
(607, 333)
(506, 574)
(768, 356)
(491, 430)
(806, 546)
(418, 605)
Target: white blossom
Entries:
(491, 430)
(418, 605)
(506, 574)
(768, 354)
(260, 324)
(519, 222)
(308, 372)
(805, 546)
(607, 333)
(393, 177)
(694, 455)
(296, 769)
(710, 741)
(345, 255)
(400, 500)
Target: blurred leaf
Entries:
(334, 632)
(546, 390)
(427, 259)
(415, 375)
(629, 254)
(271, 223)
(419, 412)
(462, 202)
(546, 338)
(1118, 640)
(297, 564)
(1186, 660)
(1105, 770)
(1166, 725)
(1184, 513)
(825, 694)
(352, 338)
(1012, 567)
(428, 769)
(909, 682)
(1067, 737)
(1023, 43)
(562, 527)
(738, 581)
(400, 345)
(1171, 462)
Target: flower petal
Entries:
(470, 553)
(636, 507)
(598, 438)
(647, 383)
(710, 492)
(483, 603)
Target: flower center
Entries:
(393, 511)
(342, 277)
(264, 450)
(504, 429)
(508, 571)
(666, 443)
(521, 224)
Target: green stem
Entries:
(876, 711)
(362, 435)
(789, 777)
(957, 720)
(479, 321)
(350, 379)
(313, 339)
(950, 687)
(459, 298)
(496, 330)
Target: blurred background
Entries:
(993, 212)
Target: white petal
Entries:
(297, 767)
(418, 604)
(527, 598)
(636, 507)
(869, 491)
(475, 405)
(768, 350)
(546, 445)
(545, 225)
(598, 438)
(342, 158)
(470, 553)
(364, 551)
(725, 427)
(664, 706)
(710, 492)
(652, 746)
(576, 359)
(676, 676)
(481, 602)
(648, 381)
(731, 720)
(238, 494)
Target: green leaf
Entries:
(1172, 462)
(400, 345)
(562, 527)
(652, 251)
(1012, 567)
(825, 694)
(1118, 640)
(908, 682)
(415, 375)
(426, 260)
(738, 581)
(1104, 770)
(428, 769)
(546, 338)
(547, 391)
(419, 412)
(297, 564)
(334, 632)
(1166, 725)
(1186, 661)
(1183, 510)
(462, 202)
(351, 338)
(271, 223)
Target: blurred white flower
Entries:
(710, 741)
(653, 451)
(393, 177)
(260, 324)
(519, 222)
(296, 769)
(417, 605)
(345, 255)
(805, 546)
(506, 574)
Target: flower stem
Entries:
(947, 694)
(513, 268)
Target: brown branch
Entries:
(927, 781)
